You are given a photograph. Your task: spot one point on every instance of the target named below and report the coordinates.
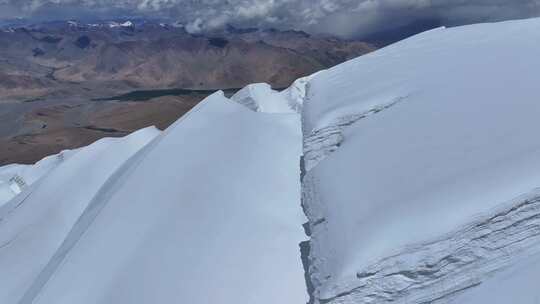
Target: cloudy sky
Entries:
(349, 18)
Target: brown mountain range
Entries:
(40, 60)
(56, 79)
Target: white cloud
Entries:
(195, 27)
(346, 17)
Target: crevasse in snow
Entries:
(422, 167)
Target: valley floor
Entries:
(30, 131)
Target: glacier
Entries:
(408, 175)
(416, 172)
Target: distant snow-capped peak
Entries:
(114, 24)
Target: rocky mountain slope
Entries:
(59, 81)
(420, 186)
(56, 57)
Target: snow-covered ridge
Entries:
(405, 145)
(260, 97)
(15, 178)
(35, 222)
(167, 220)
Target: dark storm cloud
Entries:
(343, 17)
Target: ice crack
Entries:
(438, 270)
(324, 141)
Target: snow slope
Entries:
(34, 224)
(15, 178)
(423, 161)
(195, 216)
(517, 284)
